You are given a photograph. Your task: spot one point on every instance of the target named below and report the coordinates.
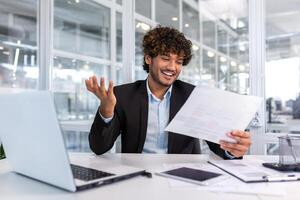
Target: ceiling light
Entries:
(138, 25)
(242, 48)
(186, 25)
(242, 68)
(195, 47)
(77, 1)
(241, 24)
(6, 53)
(86, 67)
(233, 22)
(145, 27)
(233, 63)
(210, 54)
(223, 59)
(1, 47)
(174, 18)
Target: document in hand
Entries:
(210, 113)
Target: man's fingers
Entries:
(99, 90)
(89, 84)
(244, 141)
(110, 88)
(102, 87)
(238, 133)
(231, 146)
(234, 152)
(241, 137)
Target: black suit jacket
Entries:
(131, 118)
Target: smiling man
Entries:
(140, 111)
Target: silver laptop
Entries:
(35, 147)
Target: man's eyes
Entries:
(168, 58)
(165, 58)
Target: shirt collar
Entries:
(166, 95)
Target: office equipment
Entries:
(192, 175)
(289, 152)
(35, 147)
(210, 113)
(252, 174)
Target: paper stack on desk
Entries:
(210, 113)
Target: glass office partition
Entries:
(209, 32)
(143, 7)
(191, 23)
(222, 40)
(192, 72)
(167, 12)
(18, 44)
(119, 39)
(81, 49)
(234, 45)
(233, 76)
(282, 72)
(119, 53)
(82, 28)
(225, 32)
(208, 66)
(140, 29)
(223, 73)
(73, 101)
(120, 2)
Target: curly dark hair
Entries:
(165, 40)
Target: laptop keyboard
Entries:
(88, 174)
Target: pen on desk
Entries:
(147, 174)
(290, 177)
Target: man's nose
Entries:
(172, 65)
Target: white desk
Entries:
(13, 186)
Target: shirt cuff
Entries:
(106, 120)
(228, 155)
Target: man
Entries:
(140, 111)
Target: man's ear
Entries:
(148, 59)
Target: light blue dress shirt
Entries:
(158, 118)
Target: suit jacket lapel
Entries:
(143, 105)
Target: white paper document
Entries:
(210, 113)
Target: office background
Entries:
(247, 47)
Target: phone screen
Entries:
(193, 174)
